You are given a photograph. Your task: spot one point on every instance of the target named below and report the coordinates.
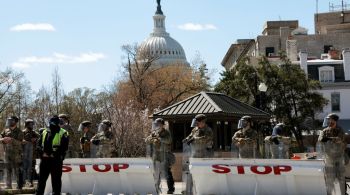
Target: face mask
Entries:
(102, 127)
(10, 123)
(155, 126)
(326, 122)
(242, 124)
(194, 123)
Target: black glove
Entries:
(96, 142)
(275, 140)
(83, 140)
(325, 139)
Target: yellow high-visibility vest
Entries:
(56, 142)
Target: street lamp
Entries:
(260, 97)
(262, 87)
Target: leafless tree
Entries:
(57, 91)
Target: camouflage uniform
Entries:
(13, 155)
(73, 147)
(106, 144)
(85, 144)
(160, 141)
(28, 153)
(334, 146)
(246, 141)
(201, 142)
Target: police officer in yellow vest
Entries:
(52, 146)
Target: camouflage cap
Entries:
(333, 116)
(200, 117)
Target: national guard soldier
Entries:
(73, 148)
(52, 146)
(105, 140)
(278, 144)
(200, 138)
(245, 138)
(30, 138)
(199, 144)
(161, 140)
(12, 138)
(87, 134)
(333, 141)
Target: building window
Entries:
(269, 51)
(335, 100)
(326, 74)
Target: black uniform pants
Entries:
(51, 166)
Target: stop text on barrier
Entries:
(101, 168)
(253, 169)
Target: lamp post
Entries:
(262, 95)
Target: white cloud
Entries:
(58, 58)
(33, 27)
(197, 27)
(20, 65)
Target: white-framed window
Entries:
(335, 101)
(326, 74)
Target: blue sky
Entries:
(84, 37)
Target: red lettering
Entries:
(66, 168)
(221, 169)
(106, 168)
(278, 169)
(82, 168)
(240, 169)
(267, 170)
(117, 167)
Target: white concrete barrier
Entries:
(107, 176)
(257, 176)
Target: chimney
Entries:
(346, 63)
(303, 60)
(291, 47)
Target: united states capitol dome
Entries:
(160, 44)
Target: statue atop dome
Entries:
(159, 8)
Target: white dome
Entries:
(166, 48)
(160, 44)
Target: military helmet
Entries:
(29, 120)
(64, 116)
(86, 123)
(55, 120)
(247, 118)
(160, 121)
(200, 117)
(333, 116)
(107, 122)
(15, 118)
(243, 122)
